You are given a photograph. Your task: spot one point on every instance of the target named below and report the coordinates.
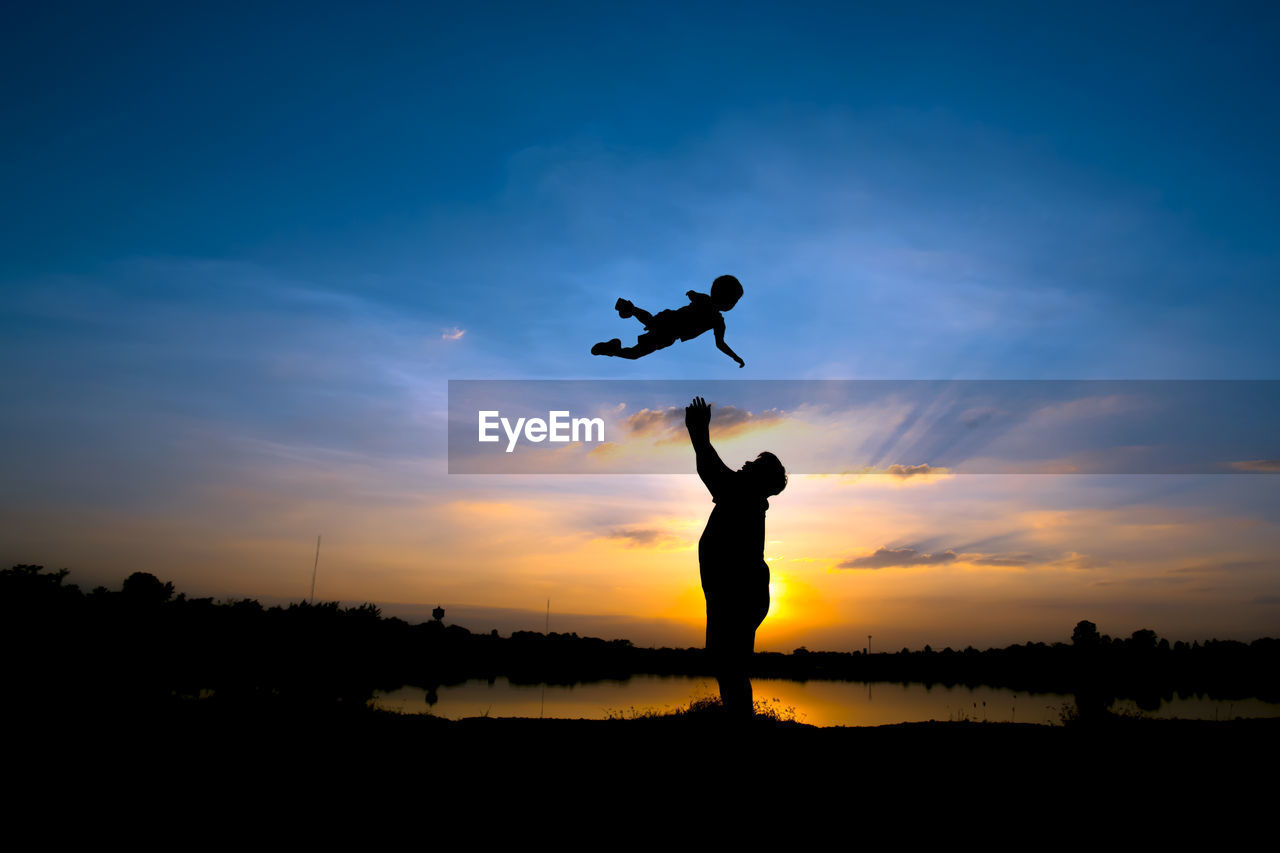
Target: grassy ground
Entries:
(222, 761)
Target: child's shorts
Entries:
(661, 330)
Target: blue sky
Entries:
(936, 184)
(238, 236)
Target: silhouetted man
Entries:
(735, 577)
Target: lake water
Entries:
(819, 703)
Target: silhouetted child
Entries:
(735, 577)
(686, 323)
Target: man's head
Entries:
(725, 292)
(767, 473)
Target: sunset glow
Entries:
(235, 294)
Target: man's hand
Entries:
(711, 468)
(697, 414)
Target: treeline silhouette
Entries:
(146, 643)
(1095, 667)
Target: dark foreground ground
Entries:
(232, 758)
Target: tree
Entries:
(1085, 636)
(1144, 640)
(145, 588)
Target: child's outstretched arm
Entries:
(711, 468)
(725, 348)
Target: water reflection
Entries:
(1201, 708)
(820, 703)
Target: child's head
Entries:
(725, 292)
(767, 472)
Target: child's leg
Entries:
(614, 348)
(626, 309)
(640, 350)
(645, 344)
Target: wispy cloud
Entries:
(642, 537)
(667, 424)
(1266, 466)
(1231, 566)
(885, 558)
(452, 333)
(905, 471)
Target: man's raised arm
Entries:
(712, 470)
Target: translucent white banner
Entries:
(899, 428)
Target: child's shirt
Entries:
(690, 320)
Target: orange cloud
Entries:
(885, 558)
(645, 537)
(1267, 466)
(667, 425)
